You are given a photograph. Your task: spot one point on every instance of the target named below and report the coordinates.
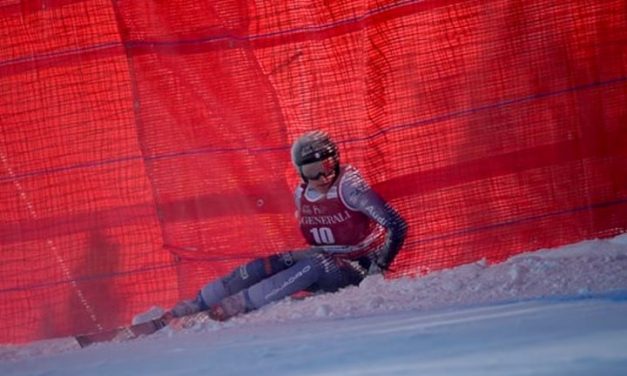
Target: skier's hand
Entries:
(379, 262)
(374, 269)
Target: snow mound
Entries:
(586, 268)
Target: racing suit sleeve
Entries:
(359, 196)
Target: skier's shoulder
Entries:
(352, 186)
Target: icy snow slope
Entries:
(562, 312)
(579, 337)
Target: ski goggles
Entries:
(319, 169)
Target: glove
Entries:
(374, 269)
(373, 264)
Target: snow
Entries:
(549, 312)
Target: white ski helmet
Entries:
(312, 147)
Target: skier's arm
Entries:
(359, 196)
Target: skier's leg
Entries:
(321, 270)
(255, 271)
(239, 279)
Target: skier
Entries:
(350, 229)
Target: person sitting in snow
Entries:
(350, 229)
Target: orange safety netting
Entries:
(495, 127)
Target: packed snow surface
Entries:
(549, 312)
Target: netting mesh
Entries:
(494, 127)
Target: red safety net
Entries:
(495, 127)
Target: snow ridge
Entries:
(586, 269)
(589, 269)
